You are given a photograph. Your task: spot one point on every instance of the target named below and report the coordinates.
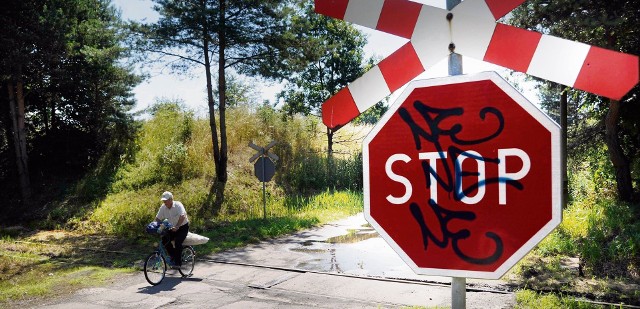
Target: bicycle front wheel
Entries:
(188, 261)
(155, 268)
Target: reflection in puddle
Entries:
(353, 236)
(308, 250)
(308, 243)
(358, 253)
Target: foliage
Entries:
(336, 50)
(337, 58)
(532, 300)
(251, 34)
(608, 24)
(603, 232)
(166, 138)
(372, 115)
(69, 54)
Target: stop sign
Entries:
(462, 176)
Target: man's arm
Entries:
(180, 221)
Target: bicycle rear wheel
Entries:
(188, 261)
(155, 268)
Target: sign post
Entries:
(461, 176)
(458, 284)
(264, 169)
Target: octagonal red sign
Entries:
(462, 176)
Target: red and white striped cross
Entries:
(476, 34)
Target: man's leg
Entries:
(180, 236)
(166, 241)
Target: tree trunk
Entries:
(221, 167)
(215, 189)
(330, 133)
(616, 154)
(221, 171)
(330, 165)
(19, 134)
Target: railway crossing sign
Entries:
(264, 161)
(473, 29)
(461, 176)
(264, 168)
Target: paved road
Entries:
(309, 269)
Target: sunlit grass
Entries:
(527, 299)
(47, 279)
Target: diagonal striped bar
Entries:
(500, 8)
(512, 47)
(388, 76)
(593, 69)
(608, 73)
(474, 31)
(397, 17)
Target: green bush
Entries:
(162, 150)
(603, 232)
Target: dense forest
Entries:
(71, 147)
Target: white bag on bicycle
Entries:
(195, 239)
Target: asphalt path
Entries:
(344, 264)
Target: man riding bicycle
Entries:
(175, 212)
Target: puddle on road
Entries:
(359, 252)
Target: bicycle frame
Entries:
(163, 251)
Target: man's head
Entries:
(167, 198)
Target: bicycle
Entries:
(155, 266)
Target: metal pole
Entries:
(264, 192)
(458, 293)
(452, 3)
(563, 146)
(458, 285)
(455, 63)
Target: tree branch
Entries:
(175, 55)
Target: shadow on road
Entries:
(168, 284)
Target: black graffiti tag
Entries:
(444, 216)
(451, 181)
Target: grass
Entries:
(40, 283)
(36, 265)
(526, 299)
(51, 263)
(320, 209)
(594, 252)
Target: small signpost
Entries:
(264, 168)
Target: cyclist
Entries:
(175, 212)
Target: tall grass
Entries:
(532, 300)
(603, 232)
(174, 153)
